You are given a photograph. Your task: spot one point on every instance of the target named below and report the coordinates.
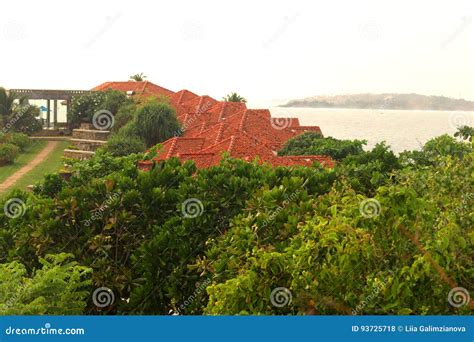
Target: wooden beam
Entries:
(47, 94)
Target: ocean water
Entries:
(401, 129)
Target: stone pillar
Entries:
(55, 106)
(48, 113)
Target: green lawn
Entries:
(51, 164)
(22, 160)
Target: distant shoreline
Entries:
(383, 102)
(380, 109)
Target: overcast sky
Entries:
(268, 51)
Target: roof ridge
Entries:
(144, 86)
(222, 111)
(219, 134)
(203, 126)
(172, 147)
(232, 143)
(242, 121)
(181, 96)
(198, 108)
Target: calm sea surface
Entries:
(401, 129)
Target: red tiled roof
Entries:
(199, 105)
(183, 96)
(212, 127)
(138, 88)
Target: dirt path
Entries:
(28, 167)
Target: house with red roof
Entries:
(211, 128)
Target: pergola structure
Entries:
(50, 95)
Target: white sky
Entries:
(267, 51)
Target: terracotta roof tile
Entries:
(211, 127)
(183, 96)
(139, 88)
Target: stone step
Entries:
(90, 134)
(87, 145)
(78, 154)
(87, 126)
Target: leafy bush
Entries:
(258, 228)
(156, 122)
(21, 140)
(367, 171)
(312, 143)
(121, 145)
(124, 116)
(58, 288)
(84, 107)
(50, 186)
(8, 153)
(465, 133)
(443, 145)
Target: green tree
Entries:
(138, 77)
(156, 122)
(84, 107)
(312, 143)
(16, 114)
(7, 102)
(234, 97)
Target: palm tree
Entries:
(234, 97)
(138, 77)
(7, 102)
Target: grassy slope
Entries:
(51, 164)
(22, 160)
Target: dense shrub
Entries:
(252, 228)
(50, 186)
(122, 145)
(312, 143)
(366, 171)
(84, 107)
(21, 140)
(443, 145)
(156, 122)
(8, 153)
(124, 116)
